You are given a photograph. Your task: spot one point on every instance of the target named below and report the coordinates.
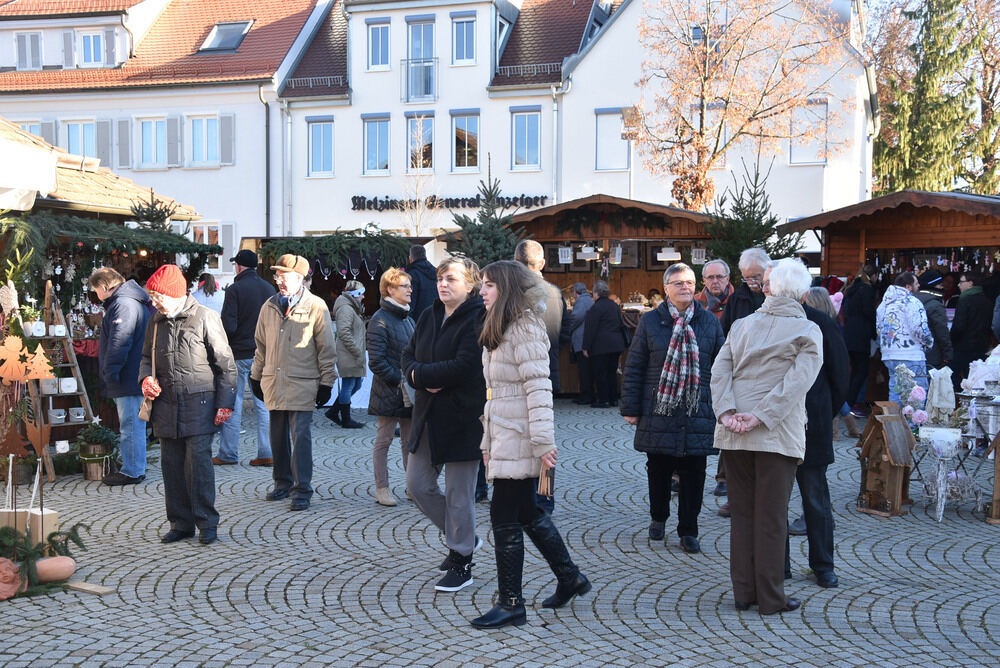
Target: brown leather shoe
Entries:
(222, 462)
(261, 461)
(724, 510)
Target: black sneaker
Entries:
(459, 576)
(118, 478)
(454, 556)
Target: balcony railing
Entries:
(419, 79)
(529, 70)
(317, 82)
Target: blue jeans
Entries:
(132, 443)
(919, 370)
(229, 437)
(348, 386)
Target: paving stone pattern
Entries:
(351, 583)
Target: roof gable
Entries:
(323, 69)
(546, 32)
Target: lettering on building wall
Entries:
(387, 203)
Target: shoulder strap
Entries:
(155, 325)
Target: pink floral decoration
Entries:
(907, 410)
(917, 393)
(919, 417)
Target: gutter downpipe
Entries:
(267, 160)
(557, 92)
(286, 169)
(131, 37)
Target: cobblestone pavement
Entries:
(352, 583)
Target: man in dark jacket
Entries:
(580, 307)
(680, 438)
(823, 401)
(747, 297)
(188, 372)
(557, 322)
(603, 343)
(240, 309)
(940, 355)
(423, 277)
(970, 331)
(859, 328)
(126, 311)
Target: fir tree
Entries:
(742, 218)
(488, 237)
(930, 114)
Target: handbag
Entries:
(146, 408)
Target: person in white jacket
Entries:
(903, 334)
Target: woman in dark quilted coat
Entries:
(389, 331)
(666, 394)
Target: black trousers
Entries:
(819, 517)
(605, 370)
(860, 362)
(691, 469)
(513, 502)
(585, 367)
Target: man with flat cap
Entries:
(293, 371)
(240, 308)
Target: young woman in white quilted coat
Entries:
(518, 435)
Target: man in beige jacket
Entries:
(293, 372)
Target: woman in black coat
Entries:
(389, 331)
(603, 343)
(970, 331)
(859, 329)
(444, 363)
(681, 439)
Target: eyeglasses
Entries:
(716, 277)
(753, 279)
(677, 284)
(404, 286)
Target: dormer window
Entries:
(226, 36)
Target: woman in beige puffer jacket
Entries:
(518, 436)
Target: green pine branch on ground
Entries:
(742, 218)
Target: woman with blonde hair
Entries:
(518, 438)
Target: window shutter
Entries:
(124, 143)
(102, 141)
(35, 51)
(109, 47)
(22, 52)
(49, 131)
(227, 239)
(227, 138)
(180, 259)
(174, 153)
(69, 41)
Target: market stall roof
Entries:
(970, 203)
(592, 200)
(81, 184)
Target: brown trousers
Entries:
(384, 433)
(760, 484)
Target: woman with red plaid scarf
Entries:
(666, 394)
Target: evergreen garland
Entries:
(335, 249)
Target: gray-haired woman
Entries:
(759, 384)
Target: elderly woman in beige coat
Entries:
(518, 436)
(348, 314)
(759, 385)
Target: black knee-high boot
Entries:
(571, 582)
(509, 539)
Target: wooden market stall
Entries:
(949, 231)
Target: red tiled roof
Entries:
(546, 31)
(24, 8)
(82, 185)
(323, 70)
(168, 55)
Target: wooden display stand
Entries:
(886, 460)
(993, 517)
(38, 425)
(878, 408)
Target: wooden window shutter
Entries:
(227, 239)
(49, 131)
(124, 143)
(69, 44)
(175, 154)
(35, 51)
(102, 142)
(227, 139)
(22, 52)
(109, 47)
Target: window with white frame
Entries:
(376, 140)
(463, 38)
(29, 50)
(210, 234)
(91, 49)
(320, 147)
(612, 151)
(420, 141)
(465, 133)
(153, 142)
(378, 45)
(80, 138)
(525, 138)
(808, 143)
(204, 140)
(420, 64)
(32, 127)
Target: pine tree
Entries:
(488, 237)
(931, 113)
(742, 218)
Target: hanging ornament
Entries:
(47, 269)
(58, 270)
(70, 272)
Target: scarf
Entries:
(680, 378)
(405, 307)
(712, 302)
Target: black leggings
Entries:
(513, 502)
